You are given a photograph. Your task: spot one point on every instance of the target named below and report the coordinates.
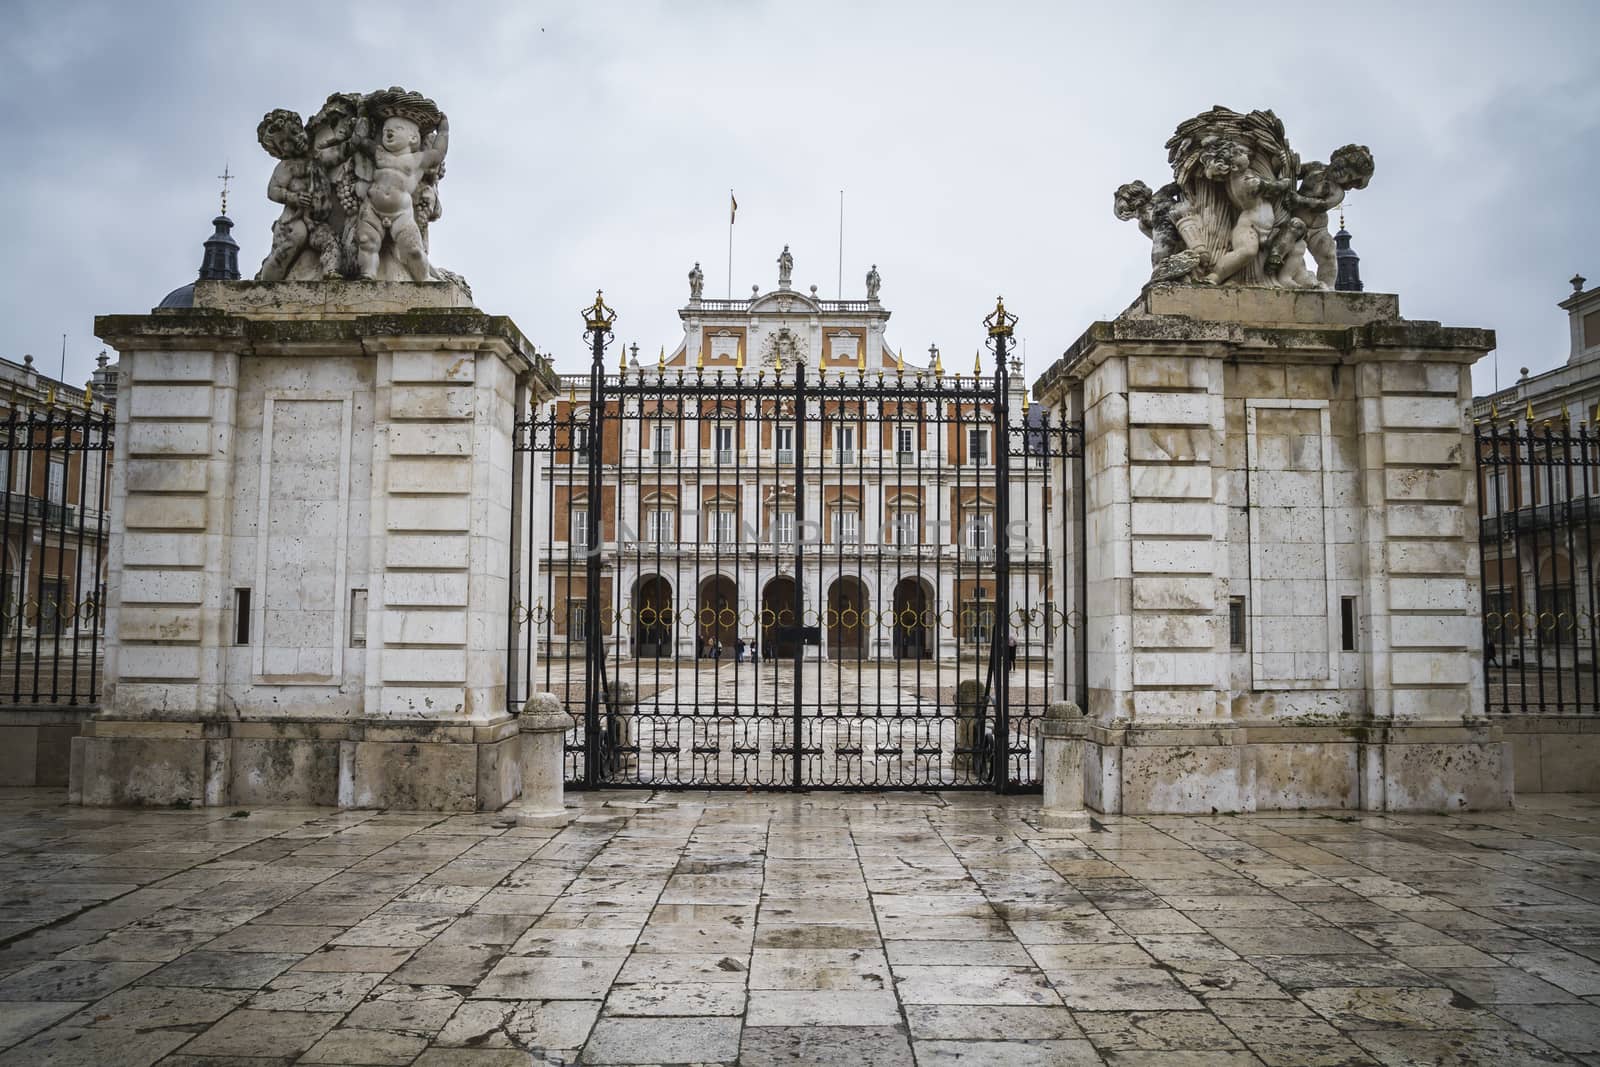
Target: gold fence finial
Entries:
(900, 361)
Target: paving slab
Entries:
(923, 929)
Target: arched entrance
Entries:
(780, 630)
(847, 631)
(652, 617)
(717, 616)
(911, 636)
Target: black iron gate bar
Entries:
(757, 734)
(1538, 505)
(43, 518)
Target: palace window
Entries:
(577, 619)
(844, 445)
(977, 618)
(846, 526)
(785, 444)
(903, 443)
(723, 526)
(977, 530)
(578, 534)
(978, 446)
(658, 525)
(723, 436)
(57, 486)
(661, 444)
(785, 528)
(905, 530)
(580, 440)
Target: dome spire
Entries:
(1349, 278)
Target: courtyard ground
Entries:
(797, 928)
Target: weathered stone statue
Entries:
(360, 186)
(785, 268)
(697, 282)
(298, 184)
(873, 282)
(1322, 188)
(1232, 214)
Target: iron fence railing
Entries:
(1539, 541)
(54, 486)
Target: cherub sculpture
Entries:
(348, 172)
(296, 183)
(1233, 214)
(1253, 198)
(1158, 214)
(1322, 188)
(411, 142)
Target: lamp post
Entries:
(597, 320)
(1001, 324)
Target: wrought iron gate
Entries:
(796, 577)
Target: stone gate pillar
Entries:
(310, 554)
(1279, 554)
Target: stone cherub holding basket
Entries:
(1241, 208)
(359, 185)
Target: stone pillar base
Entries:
(1061, 735)
(417, 766)
(1236, 768)
(543, 724)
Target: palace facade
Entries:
(854, 517)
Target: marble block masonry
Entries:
(1280, 567)
(309, 564)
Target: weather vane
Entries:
(225, 177)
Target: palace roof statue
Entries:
(359, 185)
(1242, 209)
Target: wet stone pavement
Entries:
(797, 929)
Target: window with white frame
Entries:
(903, 438)
(658, 525)
(905, 530)
(661, 444)
(844, 444)
(57, 485)
(577, 620)
(785, 444)
(785, 528)
(578, 534)
(723, 526)
(978, 445)
(977, 530)
(846, 526)
(580, 436)
(722, 437)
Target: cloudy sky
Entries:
(593, 145)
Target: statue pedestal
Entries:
(311, 550)
(1280, 555)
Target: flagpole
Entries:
(840, 285)
(732, 210)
